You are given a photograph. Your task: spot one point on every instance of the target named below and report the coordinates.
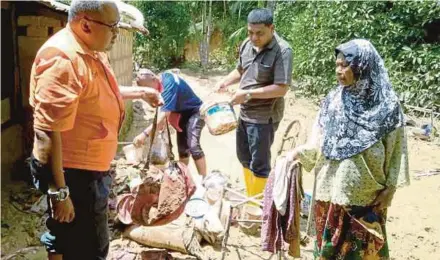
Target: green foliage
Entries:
(168, 23)
(396, 29)
(234, 28)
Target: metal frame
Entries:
(288, 136)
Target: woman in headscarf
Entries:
(358, 152)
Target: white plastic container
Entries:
(133, 155)
(219, 117)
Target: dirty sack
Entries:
(157, 196)
(179, 235)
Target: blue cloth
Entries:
(178, 95)
(353, 118)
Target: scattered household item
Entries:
(215, 179)
(133, 154)
(427, 173)
(237, 200)
(423, 132)
(208, 209)
(161, 195)
(219, 117)
(40, 207)
(250, 219)
(196, 208)
(211, 227)
(292, 137)
(214, 184)
(244, 198)
(409, 121)
(427, 129)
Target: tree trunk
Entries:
(239, 11)
(224, 9)
(207, 31)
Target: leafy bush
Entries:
(168, 23)
(396, 29)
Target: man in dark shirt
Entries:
(264, 71)
(181, 107)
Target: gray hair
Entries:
(146, 72)
(86, 6)
(260, 16)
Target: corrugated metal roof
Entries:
(131, 17)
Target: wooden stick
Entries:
(248, 200)
(249, 220)
(225, 238)
(244, 197)
(124, 143)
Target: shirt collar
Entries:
(268, 46)
(79, 44)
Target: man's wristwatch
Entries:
(247, 97)
(59, 195)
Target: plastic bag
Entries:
(132, 154)
(160, 149)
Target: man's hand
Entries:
(152, 97)
(383, 199)
(139, 140)
(221, 87)
(239, 97)
(63, 211)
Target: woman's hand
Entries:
(383, 199)
(139, 140)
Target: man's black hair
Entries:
(260, 16)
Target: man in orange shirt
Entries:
(78, 112)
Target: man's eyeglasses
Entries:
(111, 26)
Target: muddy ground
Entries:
(413, 223)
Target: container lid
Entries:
(208, 105)
(196, 208)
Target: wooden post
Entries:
(17, 86)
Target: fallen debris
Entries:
(427, 173)
(22, 252)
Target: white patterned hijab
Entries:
(354, 118)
